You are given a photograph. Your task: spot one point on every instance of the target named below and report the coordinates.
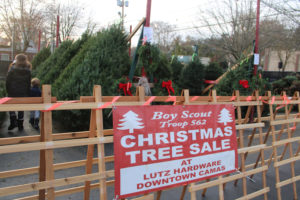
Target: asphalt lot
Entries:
(31, 159)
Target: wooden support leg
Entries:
(193, 193)
(46, 156)
(158, 195)
(183, 192)
(292, 164)
(100, 147)
(90, 155)
(204, 190)
(286, 145)
(249, 111)
(262, 153)
(265, 141)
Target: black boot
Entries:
(31, 121)
(36, 124)
(13, 123)
(20, 125)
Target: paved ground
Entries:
(31, 159)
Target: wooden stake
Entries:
(241, 136)
(272, 118)
(90, 152)
(46, 156)
(292, 164)
(246, 119)
(259, 112)
(100, 135)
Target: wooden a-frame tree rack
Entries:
(47, 141)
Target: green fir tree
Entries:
(40, 57)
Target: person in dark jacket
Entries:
(18, 85)
(35, 92)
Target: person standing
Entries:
(35, 92)
(18, 82)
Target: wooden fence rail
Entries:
(249, 119)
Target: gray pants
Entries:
(35, 114)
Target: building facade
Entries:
(271, 60)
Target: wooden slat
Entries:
(69, 191)
(247, 126)
(77, 105)
(58, 166)
(284, 162)
(28, 100)
(291, 116)
(136, 29)
(251, 149)
(255, 194)
(53, 145)
(281, 102)
(286, 121)
(56, 136)
(53, 183)
(282, 142)
(70, 106)
(146, 197)
(222, 76)
(264, 134)
(258, 163)
(288, 181)
(227, 179)
(254, 103)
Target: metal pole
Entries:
(130, 41)
(148, 12)
(57, 31)
(257, 34)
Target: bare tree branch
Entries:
(287, 8)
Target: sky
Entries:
(182, 13)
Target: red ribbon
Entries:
(56, 105)
(168, 86)
(172, 98)
(108, 103)
(244, 83)
(144, 72)
(210, 82)
(5, 99)
(126, 88)
(194, 98)
(149, 100)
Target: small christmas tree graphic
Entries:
(130, 122)
(225, 116)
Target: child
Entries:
(35, 92)
(18, 85)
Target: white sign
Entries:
(158, 147)
(148, 33)
(168, 173)
(256, 59)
